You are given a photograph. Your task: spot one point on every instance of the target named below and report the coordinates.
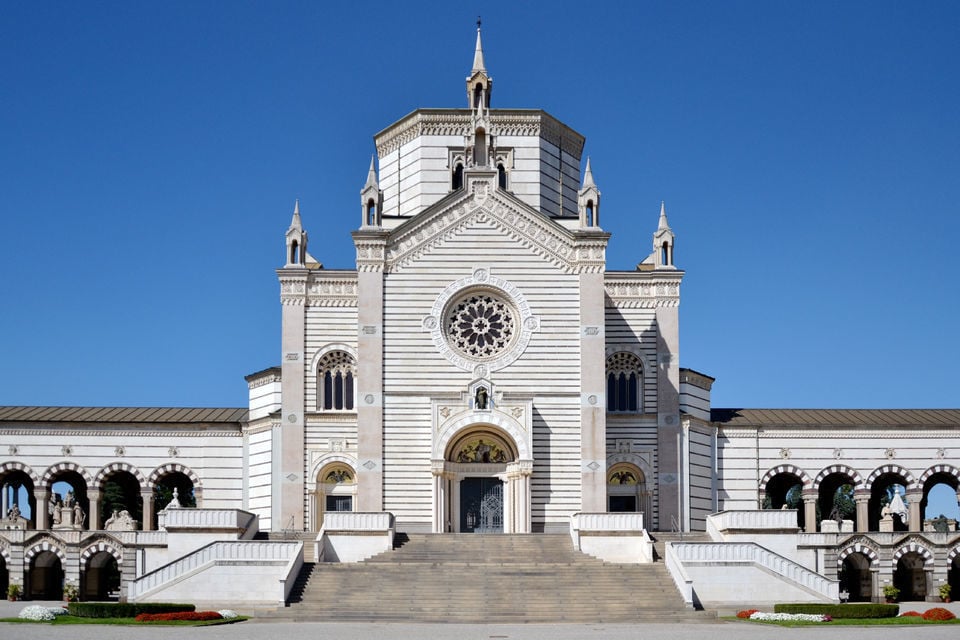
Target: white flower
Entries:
(228, 614)
(36, 612)
(784, 617)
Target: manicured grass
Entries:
(62, 620)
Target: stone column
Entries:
(93, 518)
(593, 405)
(5, 506)
(510, 503)
(916, 518)
(862, 499)
(371, 255)
(810, 511)
(670, 454)
(40, 496)
(287, 484)
(147, 496)
(438, 496)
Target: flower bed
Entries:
(911, 614)
(228, 614)
(743, 615)
(195, 616)
(938, 613)
(41, 614)
(789, 617)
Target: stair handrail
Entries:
(250, 550)
(712, 552)
(675, 526)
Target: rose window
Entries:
(480, 326)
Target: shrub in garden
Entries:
(124, 609)
(859, 610)
(196, 616)
(938, 613)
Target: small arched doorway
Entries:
(910, 577)
(856, 578)
(336, 490)
(101, 578)
(627, 489)
(45, 578)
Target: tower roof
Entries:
(478, 54)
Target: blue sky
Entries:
(808, 154)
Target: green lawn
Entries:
(61, 620)
(850, 622)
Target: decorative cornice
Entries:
(644, 290)
(293, 286)
(458, 122)
(332, 289)
(112, 434)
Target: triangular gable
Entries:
(481, 199)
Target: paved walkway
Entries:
(254, 630)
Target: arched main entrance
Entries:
(336, 491)
(910, 576)
(856, 578)
(481, 485)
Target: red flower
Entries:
(938, 613)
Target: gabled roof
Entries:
(828, 418)
(115, 415)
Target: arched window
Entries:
(336, 377)
(480, 148)
(501, 176)
(624, 383)
(457, 182)
(371, 213)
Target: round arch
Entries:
(56, 469)
(44, 544)
(787, 469)
(913, 547)
(891, 469)
(176, 467)
(5, 552)
(101, 545)
(869, 552)
(116, 467)
(850, 472)
(478, 420)
(327, 348)
(12, 465)
(945, 469)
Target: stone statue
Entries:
(69, 501)
(14, 512)
(175, 501)
(481, 398)
(121, 521)
(78, 515)
(56, 511)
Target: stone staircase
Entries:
(307, 537)
(660, 539)
(475, 578)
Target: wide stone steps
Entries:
(475, 578)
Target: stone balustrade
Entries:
(255, 554)
(732, 553)
(754, 520)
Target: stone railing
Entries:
(613, 537)
(353, 536)
(714, 553)
(357, 521)
(208, 519)
(608, 521)
(757, 520)
(235, 551)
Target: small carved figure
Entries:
(110, 520)
(483, 451)
(78, 515)
(14, 512)
(56, 511)
(175, 501)
(69, 501)
(481, 398)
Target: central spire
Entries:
(478, 53)
(479, 84)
